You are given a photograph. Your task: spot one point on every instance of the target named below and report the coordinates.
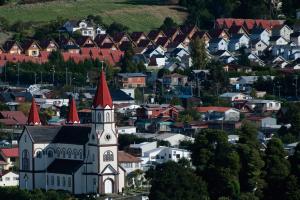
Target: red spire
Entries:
(102, 96)
(33, 118)
(72, 115)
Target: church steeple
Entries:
(72, 115)
(102, 97)
(33, 117)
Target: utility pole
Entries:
(66, 76)
(5, 73)
(41, 78)
(53, 71)
(18, 74)
(296, 86)
(34, 77)
(279, 86)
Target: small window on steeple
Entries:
(99, 117)
(107, 117)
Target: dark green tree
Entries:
(199, 54)
(168, 23)
(175, 181)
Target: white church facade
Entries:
(81, 159)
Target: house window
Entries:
(69, 153)
(58, 152)
(58, 180)
(15, 178)
(25, 160)
(25, 138)
(64, 181)
(80, 155)
(7, 178)
(178, 156)
(69, 181)
(64, 153)
(52, 180)
(108, 156)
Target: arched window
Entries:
(108, 156)
(39, 154)
(25, 160)
(80, 154)
(69, 153)
(63, 153)
(99, 117)
(58, 152)
(64, 181)
(107, 117)
(75, 152)
(50, 154)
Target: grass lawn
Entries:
(136, 16)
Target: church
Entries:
(81, 159)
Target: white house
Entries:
(86, 28)
(9, 179)
(238, 41)
(81, 159)
(141, 148)
(282, 30)
(215, 113)
(129, 162)
(9, 157)
(258, 47)
(260, 34)
(278, 40)
(217, 44)
(126, 129)
(164, 154)
(173, 138)
(264, 105)
(255, 59)
(234, 96)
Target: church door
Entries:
(108, 185)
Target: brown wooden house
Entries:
(31, 48)
(12, 47)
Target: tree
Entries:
(116, 28)
(276, 170)
(175, 181)
(168, 24)
(198, 54)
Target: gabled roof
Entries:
(81, 41)
(172, 32)
(124, 157)
(45, 43)
(102, 96)
(9, 44)
(17, 116)
(153, 34)
(213, 108)
(26, 44)
(135, 36)
(63, 166)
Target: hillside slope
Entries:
(136, 16)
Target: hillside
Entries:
(134, 15)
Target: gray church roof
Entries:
(59, 134)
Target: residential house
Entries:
(279, 62)
(136, 37)
(175, 79)
(203, 35)
(182, 55)
(152, 111)
(282, 30)
(263, 105)
(238, 41)
(86, 28)
(86, 42)
(12, 118)
(126, 129)
(9, 157)
(104, 41)
(260, 34)
(172, 33)
(219, 33)
(217, 44)
(263, 122)
(235, 29)
(255, 59)
(189, 30)
(258, 47)
(278, 40)
(69, 45)
(129, 162)
(31, 48)
(154, 35)
(48, 45)
(295, 37)
(233, 96)
(213, 113)
(237, 68)
(138, 150)
(121, 37)
(9, 179)
(12, 47)
(164, 154)
(131, 80)
(163, 42)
